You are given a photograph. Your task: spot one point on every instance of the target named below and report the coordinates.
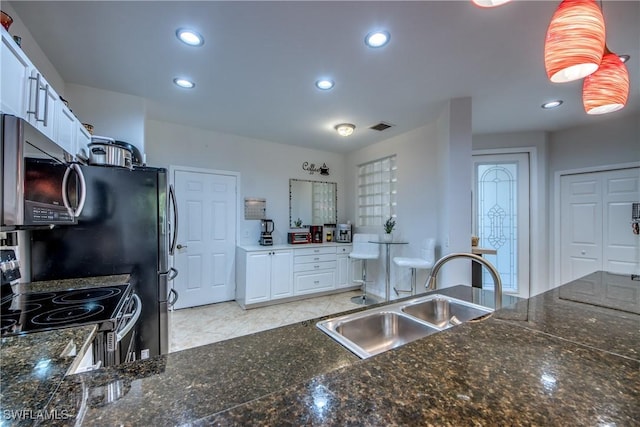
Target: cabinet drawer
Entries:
(304, 259)
(344, 249)
(310, 282)
(315, 266)
(315, 251)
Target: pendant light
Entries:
(606, 90)
(575, 41)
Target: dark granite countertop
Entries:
(32, 366)
(79, 283)
(543, 361)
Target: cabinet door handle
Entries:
(316, 250)
(46, 105)
(316, 282)
(316, 266)
(37, 106)
(316, 259)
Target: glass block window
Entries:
(377, 191)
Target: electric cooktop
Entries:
(41, 311)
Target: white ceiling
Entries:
(255, 73)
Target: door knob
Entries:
(181, 246)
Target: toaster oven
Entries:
(299, 237)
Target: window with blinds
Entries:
(377, 191)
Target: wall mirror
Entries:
(312, 203)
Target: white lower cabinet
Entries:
(263, 276)
(288, 271)
(314, 270)
(343, 277)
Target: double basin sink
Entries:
(370, 332)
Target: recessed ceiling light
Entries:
(190, 37)
(184, 83)
(624, 58)
(490, 3)
(377, 38)
(325, 84)
(345, 129)
(551, 104)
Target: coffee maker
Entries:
(343, 233)
(265, 236)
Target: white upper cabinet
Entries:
(66, 128)
(43, 102)
(15, 73)
(25, 93)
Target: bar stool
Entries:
(363, 250)
(426, 261)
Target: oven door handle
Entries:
(132, 322)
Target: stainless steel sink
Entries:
(374, 331)
(370, 332)
(445, 312)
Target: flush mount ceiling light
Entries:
(190, 37)
(377, 38)
(575, 40)
(345, 129)
(490, 3)
(551, 104)
(606, 90)
(325, 84)
(184, 83)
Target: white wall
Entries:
(536, 143)
(112, 114)
(454, 201)
(605, 142)
(609, 141)
(264, 167)
(423, 193)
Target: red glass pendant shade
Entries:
(575, 41)
(607, 89)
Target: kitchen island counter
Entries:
(535, 362)
(32, 366)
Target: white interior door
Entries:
(205, 252)
(501, 217)
(595, 217)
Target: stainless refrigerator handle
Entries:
(174, 238)
(132, 322)
(171, 302)
(173, 273)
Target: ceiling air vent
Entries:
(381, 126)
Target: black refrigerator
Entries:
(123, 229)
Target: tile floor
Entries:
(192, 327)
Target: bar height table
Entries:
(387, 270)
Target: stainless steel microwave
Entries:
(39, 184)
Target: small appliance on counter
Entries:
(343, 233)
(298, 237)
(316, 234)
(329, 232)
(265, 236)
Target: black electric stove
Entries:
(41, 311)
